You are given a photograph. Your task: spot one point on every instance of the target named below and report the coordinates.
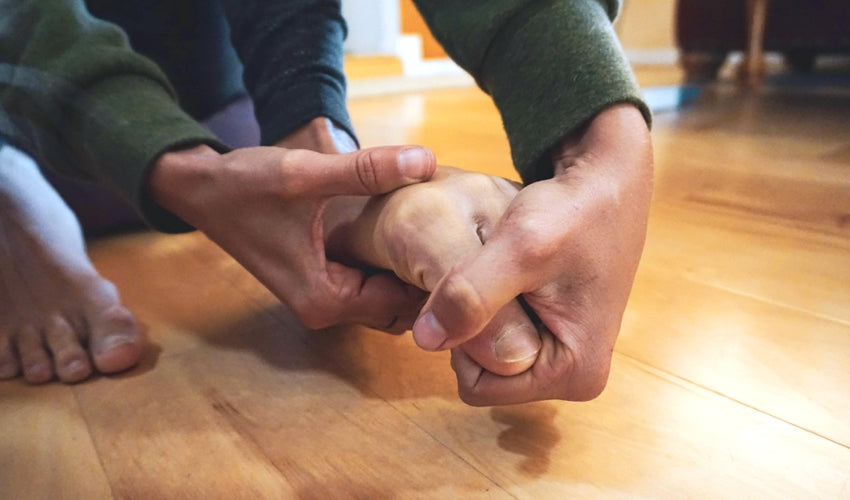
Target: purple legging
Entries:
(101, 210)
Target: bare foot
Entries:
(58, 316)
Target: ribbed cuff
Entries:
(125, 124)
(552, 69)
(287, 111)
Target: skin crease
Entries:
(420, 231)
(58, 317)
(235, 198)
(186, 183)
(570, 245)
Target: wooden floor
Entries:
(731, 378)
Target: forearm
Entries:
(549, 65)
(292, 54)
(322, 135)
(179, 179)
(80, 100)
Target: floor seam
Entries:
(654, 371)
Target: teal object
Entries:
(669, 98)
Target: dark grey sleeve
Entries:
(292, 54)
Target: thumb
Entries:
(468, 297)
(365, 172)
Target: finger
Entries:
(469, 296)
(508, 345)
(480, 387)
(340, 294)
(385, 303)
(365, 172)
(559, 372)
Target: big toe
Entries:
(115, 342)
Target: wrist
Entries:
(616, 138)
(174, 175)
(608, 168)
(319, 134)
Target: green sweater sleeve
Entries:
(76, 96)
(549, 65)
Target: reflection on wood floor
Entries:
(730, 378)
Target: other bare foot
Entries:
(58, 316)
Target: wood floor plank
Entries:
(45, 447)
(729, 380)
(181, 299)
(268, 419)
(650, 434)
(159, 437)
(783, 361)
(258, 396)
(430, 119)
(797, 268)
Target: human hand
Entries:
(420, 232)
(264, 207)
(570, 245)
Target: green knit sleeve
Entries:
(549, 65)
(76, 96)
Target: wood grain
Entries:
(729, 379)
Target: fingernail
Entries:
(516, 345)
(428, 333)
(414, 163)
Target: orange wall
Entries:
(647, 24)
(413, 24)
(644, 24)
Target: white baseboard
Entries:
(409, 50)
(401, 84)
(652, 57)
(419, 74)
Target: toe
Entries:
(9, 366)
(115, 341)
(34, 359)
(70, 360)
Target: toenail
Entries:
(76, 366)
(36, 368)
(112, 342)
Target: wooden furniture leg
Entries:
(754, 63)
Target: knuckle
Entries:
(472, 397)
(481, 183)
(313, 313)
(366, 166)
(591, 387)
(58, 329)
(581, 381)
(462, 295)
(535, 244)
(314, 319)
(290, 182)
